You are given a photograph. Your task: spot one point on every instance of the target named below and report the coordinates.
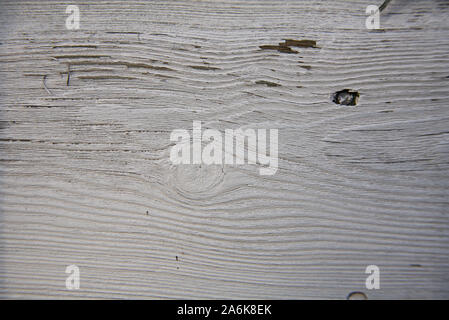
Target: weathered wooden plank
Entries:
(85, 124)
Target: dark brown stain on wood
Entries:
(268, 83)
(284, 47)
(75, 46)
(300, 43)
(68, 74)
(280, 48)
(79, 56)
(204, 68)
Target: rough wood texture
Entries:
(85, 176)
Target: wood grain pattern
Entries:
(85, 171)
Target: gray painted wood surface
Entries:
(85, 176)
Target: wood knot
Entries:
(346, 97)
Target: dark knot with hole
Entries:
(346, 97)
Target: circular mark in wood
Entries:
(357, 295)
(197, 181)
(346, 97)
